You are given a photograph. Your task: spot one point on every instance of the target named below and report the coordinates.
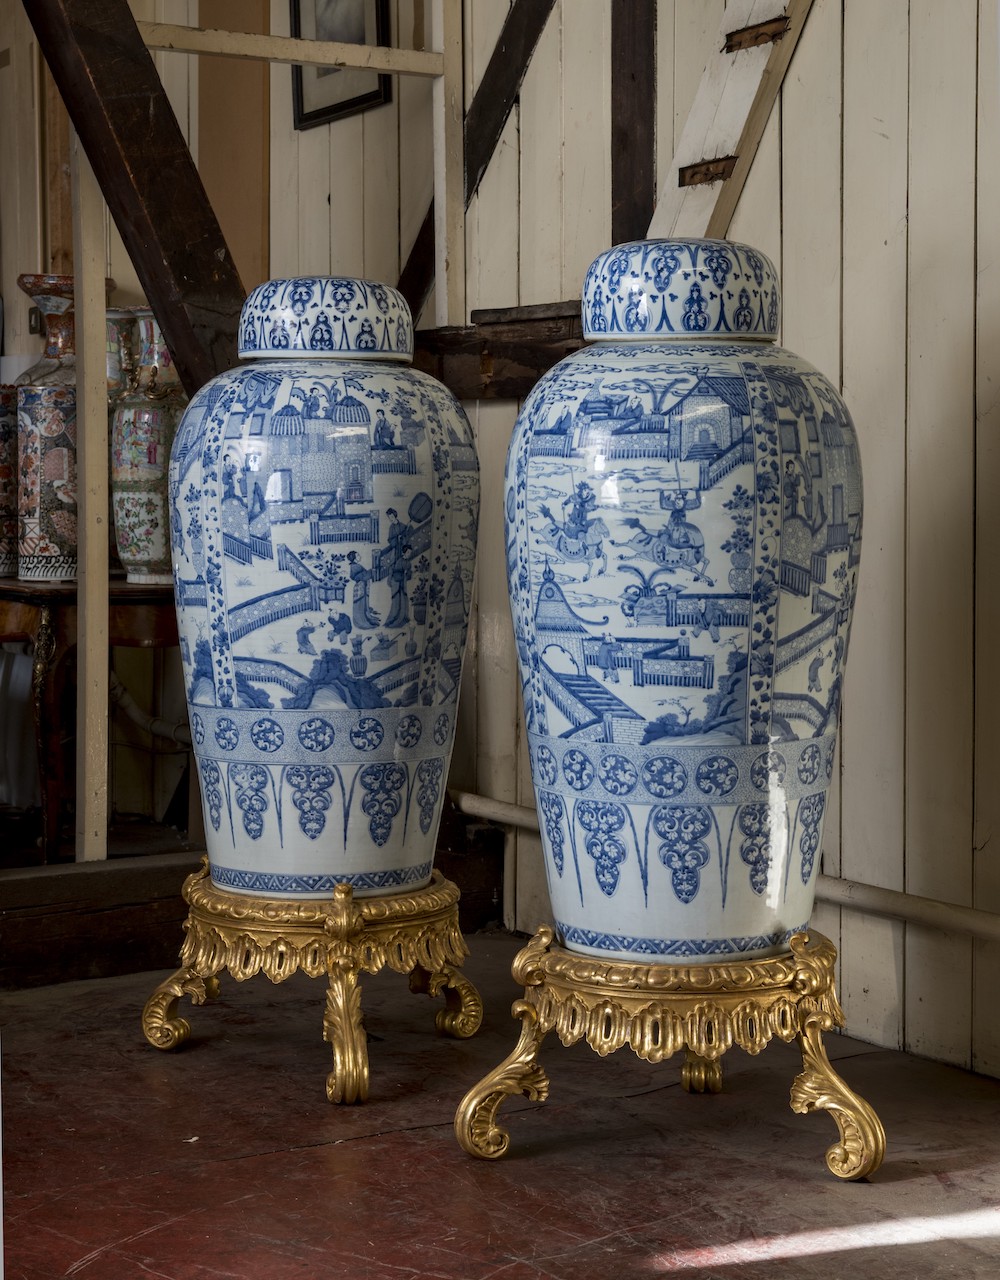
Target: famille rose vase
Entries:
(683, 516)
(144, 420)
(324, 501)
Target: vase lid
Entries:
(681, 288)
(326, 317)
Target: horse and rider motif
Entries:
(679, 544)
(580, 536)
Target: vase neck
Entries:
(60, 335)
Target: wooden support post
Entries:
(92, 518)
(633, 116)
(449, 165)
(117, 103)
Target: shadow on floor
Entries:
(224, 1159)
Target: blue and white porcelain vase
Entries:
(683, 507)
(324, 499)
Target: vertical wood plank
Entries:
(491, 224)
(380, 143)
(757, 219)
(231, 96)
(540, 178)
(586, 118)
(665, 84)
(92, 500)
(20, 200)
(284, 161)
(416, 152)
(874, 384)
(940, 478)
(633, 97)
(344, 198)
(449, 169)
(811, 277)
(986, 867)
(695, 29)
(498, 685)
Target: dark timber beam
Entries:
(503, 353)
(633, 112)
(118, 107)
(484, 123)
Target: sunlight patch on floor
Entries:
(976, 1224)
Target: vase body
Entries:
(8, 480)
(683, 507)
(144, 421)
(323, 505)
(46, 430)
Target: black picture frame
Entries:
(322, 94)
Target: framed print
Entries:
(320, 94)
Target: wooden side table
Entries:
(44, 614)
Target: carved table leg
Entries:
(476, 1125)
(462, 1015)
(861, 1148)
(50, 762)
(160, 1026)
(701, 1075)
(344, 1030)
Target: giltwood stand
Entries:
(659, 1009)
(414, 933)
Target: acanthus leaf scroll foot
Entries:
(700, 1074)
(476, 1125)
(861, 1148)
(160, 1025)
(344, 1029)
(462, 1015)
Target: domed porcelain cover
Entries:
(690, 288)
(323, 317)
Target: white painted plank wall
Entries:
(986, 865)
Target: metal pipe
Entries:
(868, 898)
(876, 901)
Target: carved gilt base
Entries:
(658, 1010)
(413, 933)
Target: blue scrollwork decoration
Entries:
(250, 781)
(429, 774)
(553, 816)
(754, 821)
(811, 810)
(682, 828)
(601, 822)
(383, 785)
(311, 786)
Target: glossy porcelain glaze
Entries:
(683, 503)
(324, 506)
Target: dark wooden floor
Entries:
(223, 1159)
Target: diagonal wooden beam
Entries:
(484, 123)
(117, 104)
(633, 117)
(731, 109)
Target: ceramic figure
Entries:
(316, 493)
(143, 423)
(683, 514)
